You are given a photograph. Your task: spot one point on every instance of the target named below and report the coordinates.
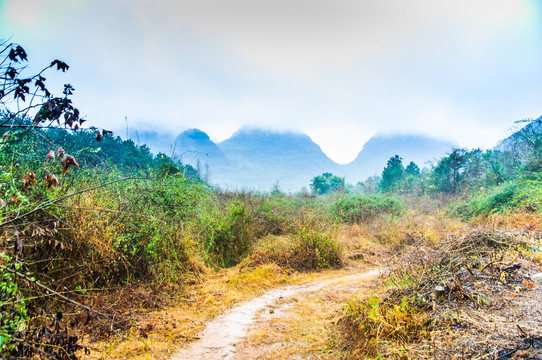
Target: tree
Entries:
(447, 175)
(28, 193)
(412, 169)
(19, 94)
(392, 173)
(326, 183)
(531, 139)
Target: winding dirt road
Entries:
(221, 336)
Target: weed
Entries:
(372, 320)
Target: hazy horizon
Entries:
(340, 72)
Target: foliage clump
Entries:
(312, 246)
(360, 208)
(327, 183)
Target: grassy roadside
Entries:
(463, 294)
(143, 257)
(157, 333)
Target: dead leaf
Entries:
(18, 243)
(37, 119)
(6, 135)
(29, 179)
(59, 152)
(50, 181)
(50, 156)
(67, 162)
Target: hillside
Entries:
(375, 153)
(255, 158)
(194, 147)
(262, 158)
(527, 137)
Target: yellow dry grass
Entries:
(168, 329)
(309, 328)
(304, 326)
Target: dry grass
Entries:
(158, 333)
(309, 327)
(304, 326)
(509, 220)
(484, 283)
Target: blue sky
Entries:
(339, 71)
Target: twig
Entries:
(54, 292)
(109, 210)
(58, 199)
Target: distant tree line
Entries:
(462, 170)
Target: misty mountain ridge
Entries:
(518, 140)
(421, 149)
(260, 159)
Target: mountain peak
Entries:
(195, 134)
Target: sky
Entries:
(338, 70)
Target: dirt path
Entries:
(220, 338)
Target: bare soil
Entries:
(237, 334)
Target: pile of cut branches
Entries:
(477, 292)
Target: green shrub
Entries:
(525, 195)
(311, 246)
(362, 208)
(529, 195)
(14, 314)
(316, 248)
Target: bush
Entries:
(14, 315)
(368, 322)
(315, 248)
(525, 195)
(362, 208)
(312, 246)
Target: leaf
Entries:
(68, 89)
(12, 55)
(19, 51)
(29, 179)
(11, 72)
(50, 156)
(67, 162)
(51, 181)
(37, 119)
(51, 105)
(40, 83)
(18, 243)
(60, 152)
(19, 93)
(60, 65)
(6, 136)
